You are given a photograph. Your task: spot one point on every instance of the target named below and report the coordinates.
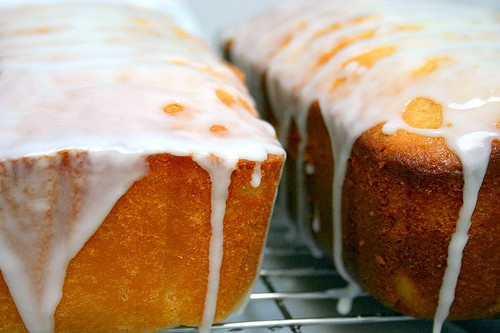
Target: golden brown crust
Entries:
(146, 266)
(401, 198)
(402, 210)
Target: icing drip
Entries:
(343, 55)
(316, 223)
(256, 175)
(280, 99)
(220, 175)
(309, 169)
(301, 204)
(48, 212)
(110, 85)
(474, 158)
(342, 144)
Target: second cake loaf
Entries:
(390, 112)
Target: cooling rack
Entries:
(297, 292)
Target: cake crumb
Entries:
(219, 129)
(173, 108)
(423, 113)
(380, 260)
(225, 97)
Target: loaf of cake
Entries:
(136, 179)
(390, 111)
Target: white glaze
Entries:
(176, 9)
(93, 78)
(316, 223)
(466, 85)
(474, 156)
(256, 175)
(220, 176)
(309, 169)
(303, 210)
(48, 213)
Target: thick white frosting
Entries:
(48, 213)
(111, 84)
(427, 49)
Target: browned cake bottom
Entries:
(146, 267)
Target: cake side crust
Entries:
(146, 266)
(400, 208)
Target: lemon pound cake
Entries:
(390, 111)
(136, 180)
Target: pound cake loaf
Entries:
(136, 180)
(390, 111)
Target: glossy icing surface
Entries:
(372, 62)
(111, 84)
(119, 60)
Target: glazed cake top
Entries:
(95, 76)
(109, 82)
(382, 60)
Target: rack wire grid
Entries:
(298, 292)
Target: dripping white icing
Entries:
(94, 79)
(256, 175)
(342, 144)
(316, 225)
(220, 177)
(292, 38)
(46, 206)
(303, 210)
(473, 156)
(309, 169)
(281, 99)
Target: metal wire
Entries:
(307, 267)
(296, 322)
(291, 277)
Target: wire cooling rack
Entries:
(297, 293)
